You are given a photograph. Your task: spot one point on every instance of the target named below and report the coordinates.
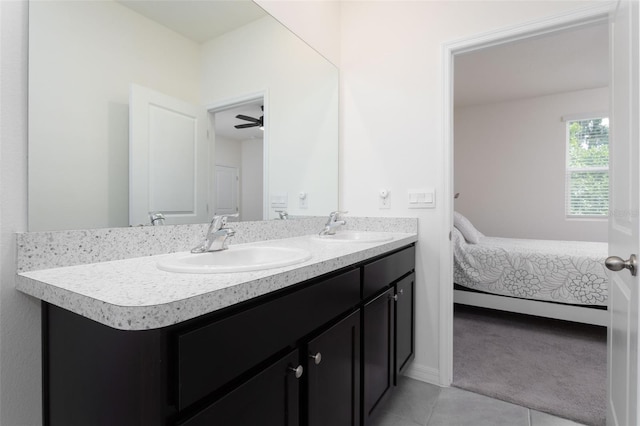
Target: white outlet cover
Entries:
(384, 200)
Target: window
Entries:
(587, 187)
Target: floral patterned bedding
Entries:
(559, 271)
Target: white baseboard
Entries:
(424, 374)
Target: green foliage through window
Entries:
(588, 168)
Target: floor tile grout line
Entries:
(428, 419)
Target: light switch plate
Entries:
(422, 198)
(279, 201)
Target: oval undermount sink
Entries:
(234, 259)
(355, 237)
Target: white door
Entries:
(168, 159)
(624, 239)
(227, 189)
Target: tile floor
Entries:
(416, 403)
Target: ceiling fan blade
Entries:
(244, 126)
(247, 118)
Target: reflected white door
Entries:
(168, 158)
(227, 190)
(624, 239)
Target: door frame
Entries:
(228, 103)
(567, 20)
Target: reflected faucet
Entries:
(333, 223)
(157, 218)
(283, 214)
(217, 235)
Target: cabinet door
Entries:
(271, 398)
(378, 350)
(405, 332)
(334, 375)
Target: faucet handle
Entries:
(336, 214)
(282, 214)
(219, 221)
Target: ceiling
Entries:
(563, 61)
(226, 120)
(201, 20)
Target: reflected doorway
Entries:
(239, 156)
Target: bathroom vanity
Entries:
(322, 345)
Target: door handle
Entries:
(615, 263)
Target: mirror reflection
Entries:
(133, 110)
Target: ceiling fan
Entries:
(253, 122)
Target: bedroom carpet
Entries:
(548, 365)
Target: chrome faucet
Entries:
(283, 214)
(333, 223)
(217, 235)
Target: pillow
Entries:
(470, 233)
(457, 238)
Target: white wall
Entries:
(391, 65)
(316, 22)
(301, 124)
(392, 124)
(86, 113)
(510, 166)
(20, 360)
(227, 152)
(251, 179)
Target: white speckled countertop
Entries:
(133, 294)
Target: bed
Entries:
(557, 279)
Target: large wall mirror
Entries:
(187, 108)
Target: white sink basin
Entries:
(355, 237)
(234, 259)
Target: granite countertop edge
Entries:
(206, 297)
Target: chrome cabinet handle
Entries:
(394, 297)
(297, 370)
(317, 358)
(401, 292)
(615, 263)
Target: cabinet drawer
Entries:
(383, 272)
(213, 355)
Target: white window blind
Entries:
(587, 176)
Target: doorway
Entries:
(238, 146)
(537, 29)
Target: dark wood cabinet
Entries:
(322, 352)
(378, 346)
(333, 375)
(404, 324)
(270, 398)
(213, 354)
(98, 375)
(388, 325)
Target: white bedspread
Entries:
(559, 271)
